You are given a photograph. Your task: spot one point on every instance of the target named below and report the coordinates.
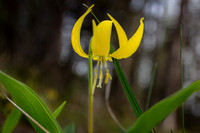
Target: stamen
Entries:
(108, 76)
(100, 74)
(95, 78)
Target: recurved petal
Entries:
(101, 39)
(120, 32)
(75, 37)
(131, 46)
(93, 25)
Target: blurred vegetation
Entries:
(35, 48)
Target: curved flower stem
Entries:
(90, 115)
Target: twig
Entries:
(107, 95)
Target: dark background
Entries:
(35, 48)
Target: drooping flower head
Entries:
(100, 43)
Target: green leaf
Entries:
(151, 85)
(30, 102)
(70, 128)
(162, 109)
(59, 109)
(131, 98)
(12, 121)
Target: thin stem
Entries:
(92, 13)
(90, 116)
(181, 74)
(107, 95)
(26, 114)
(151, 85)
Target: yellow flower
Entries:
(100, 43)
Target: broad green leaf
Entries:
(30, 102)
(70, 128)
(127, 89)
(162, 109)
(59, 109)
(12, 121)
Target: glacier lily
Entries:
(100, 43)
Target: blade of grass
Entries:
(127, 89)
(151, 85)
(92, 14)
(181, 76)
(12, 121)
(59, 109)
(162, 109)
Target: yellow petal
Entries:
(131, 46)
(120, 32)
(101, 39)
(75, 37)
(93, 25)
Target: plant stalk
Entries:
(90, 110)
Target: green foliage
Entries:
(30, 102)
(162, 109)
(12, 121)
(127, 89)
(59, 109)
(70, 128)
(151, 85)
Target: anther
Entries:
(108, 76)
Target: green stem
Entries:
(90, 115)
(92, 13)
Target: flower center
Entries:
(101, 61)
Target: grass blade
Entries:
(59, 109)
(30, 102)
(12, 121)
(162, 109)
(127, 89)
(151, 85)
